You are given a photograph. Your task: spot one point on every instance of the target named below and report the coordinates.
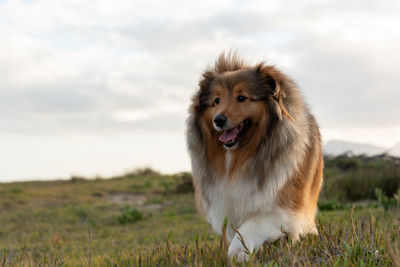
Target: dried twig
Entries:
(4, 259)
(224, 239)
(90, 247)
(224, 242)
(240, 237)
(394, 255)
(372, 231)
(352, 222)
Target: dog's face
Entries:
(235, 111)
(237, 106)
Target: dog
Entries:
(256, 154)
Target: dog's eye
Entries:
(217, 100)
(241, 98)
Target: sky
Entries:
(100, 88)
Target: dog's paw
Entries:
(242, 256)
(237, 250)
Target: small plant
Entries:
(81, 213)
(130, 215)
(147, 184)
(384, 200)
(397, 196)
(168, 187)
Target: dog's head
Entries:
(238, 104)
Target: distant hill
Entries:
(395, 151)
(337, 147)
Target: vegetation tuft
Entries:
(185, 184)
(130, 215)
(356, 178)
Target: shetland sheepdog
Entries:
(256, 154)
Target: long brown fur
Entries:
(280, 154)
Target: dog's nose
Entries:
(220, 120)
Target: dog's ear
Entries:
(201, 99)
(273, 80)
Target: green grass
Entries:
(77, 223)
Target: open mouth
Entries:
(231, 137)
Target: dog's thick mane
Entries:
(288, 138)
(270, 182)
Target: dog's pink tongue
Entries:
(228, 135)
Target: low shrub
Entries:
(359, 181)
(130, 215)
(185, 184)
(146, 171)
(386, 201)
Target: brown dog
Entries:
(256, 154)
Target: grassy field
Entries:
(148, 219)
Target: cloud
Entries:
(83, 66)
(347, 65)
(79, 78)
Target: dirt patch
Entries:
(127, 199)
(153, 207)
(137, 200)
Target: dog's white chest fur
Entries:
(236, 200)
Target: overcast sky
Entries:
(101, 87)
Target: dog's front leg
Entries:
(255, 231)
